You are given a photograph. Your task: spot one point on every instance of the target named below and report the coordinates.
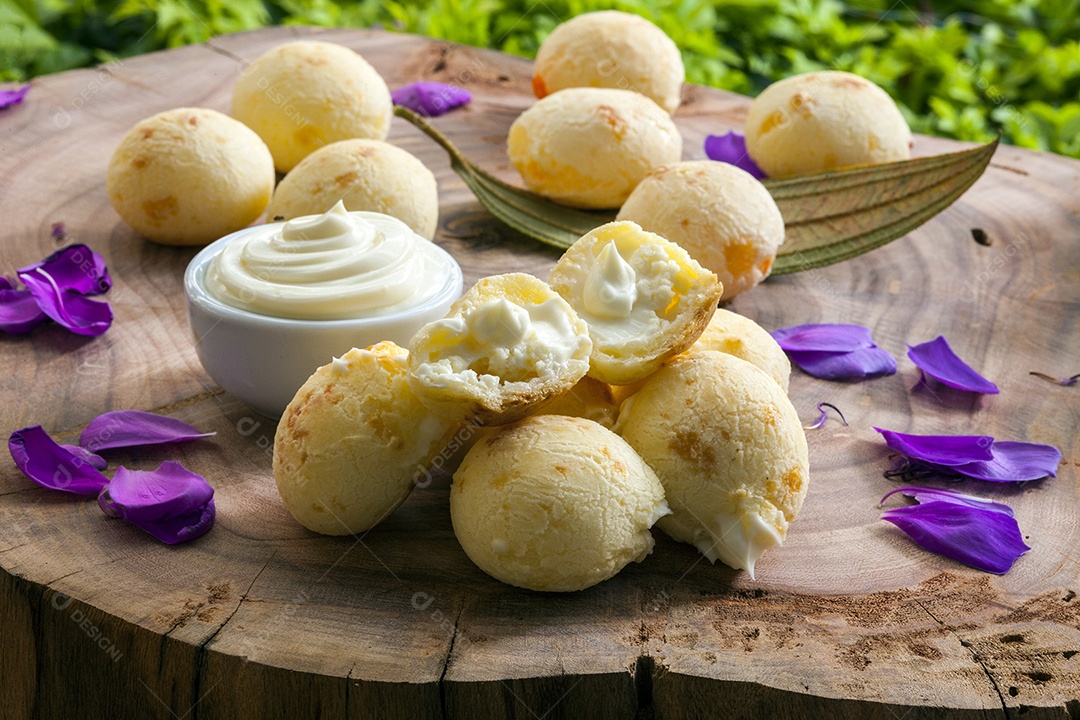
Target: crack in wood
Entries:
(446, 662)
(21, 490)
(1009, 169)
(203, 662)
(209, 44)
(974, 656)
(56, 580)
(978, 660)
(645, 665)
(240, 602)
(643, 677)
(14, 547)
(348, 689)
(49, 584)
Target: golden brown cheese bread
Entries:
(554, 503)
(353, 441)
(718, 213)
(822, 121)
(589, 147)
(729, 449)
(302, 95)
(369, 175)
(610, 49)
(189, 176)
(738, 335)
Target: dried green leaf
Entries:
(837, 215)
(830, 216)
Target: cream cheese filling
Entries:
(501, 342)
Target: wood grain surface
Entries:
(260, 618)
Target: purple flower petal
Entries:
(947, 450)
(76, 268)
(928, 494)
(93, 459)
(430, 99)
(977, 456)
(937, 359)
(824, 337)
(13, 97)
(731, 148)
(858, 364)
(42, 460)
(171, 503)
(129, 428)
(977, 533)
(19, 311)
(1014, 462)
(69, 308)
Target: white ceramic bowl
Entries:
(264, 360)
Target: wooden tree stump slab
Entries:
(261, 619)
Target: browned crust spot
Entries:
(689, 446)
(158, 211)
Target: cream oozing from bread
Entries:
(501, 342)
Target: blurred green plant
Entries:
(958, 68)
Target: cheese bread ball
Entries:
(507, 347)
(643, 298)
(824, 120)
(303, 95)
(353, 441)
(611, 49)
(589, 147)
(727, 444)
(734, 334)
(189, 176)
(554, 503)
(589, 399)
(719, 213)
(369, 175)
(740, 336)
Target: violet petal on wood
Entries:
(824, 337)
(76, 268)
(41, 459)
(96, 461)
(69, 308)
(860, 364)
(948, 450)
(1014, 462)
(979, 533)
(937, 360)
(19, 311)
(13, 97)
(978, 457)
(131, 428)
(171, 503)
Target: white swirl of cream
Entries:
(335, 266)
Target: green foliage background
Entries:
(958, 68)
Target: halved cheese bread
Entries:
(644, 298)
(506, 348)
